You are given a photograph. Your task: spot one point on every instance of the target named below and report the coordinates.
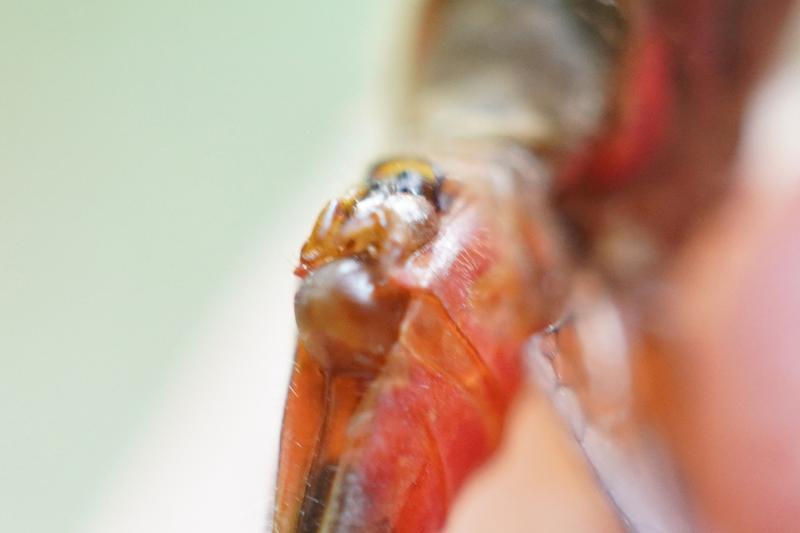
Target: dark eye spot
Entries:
(408, 182)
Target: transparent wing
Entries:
(585, 365)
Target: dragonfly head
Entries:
(388, 216)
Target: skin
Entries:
(538, 481)
(738, 443)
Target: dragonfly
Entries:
(556, 157)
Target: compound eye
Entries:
(406, 176)
(410, 183)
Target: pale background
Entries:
(160, 162)
(148, 150)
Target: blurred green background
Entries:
(143, 145)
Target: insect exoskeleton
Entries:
(348, 310)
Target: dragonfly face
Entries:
(392, 213)
(348, 312)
